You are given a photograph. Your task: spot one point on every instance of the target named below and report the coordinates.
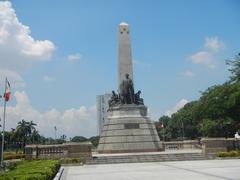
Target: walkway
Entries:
(179, 170)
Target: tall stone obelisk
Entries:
(128, 127)
(124, 53)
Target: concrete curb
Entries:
(226, 158)
(59, 174)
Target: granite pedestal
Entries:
(128, 129)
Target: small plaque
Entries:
(131, 126)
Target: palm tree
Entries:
(32, 129)
(24, 130)
(35, 136)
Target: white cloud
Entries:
(74, 57)
(14, 78)
(178, 106)
(18, 49)
(73, 121)
(47, 78)
(189, 73)
(214, 44)
(205, 58)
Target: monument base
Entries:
(128, 129)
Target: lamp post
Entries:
(163, 129)
(183, 134)
(227, 129)
(55, 133)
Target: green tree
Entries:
(221, 104)
(164, 120)
(31, 125)
(36, 138)
(216, 128)
(161, 125)
(94, 140)
(79, 139)
(235, 68)
(184, 123)
(22, 131)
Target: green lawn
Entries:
(39, 169)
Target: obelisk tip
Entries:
(123, 24)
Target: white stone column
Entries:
(124, 53)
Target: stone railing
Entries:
(214, 145)
(57, 151)
(187, 144)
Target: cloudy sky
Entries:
(58, 55)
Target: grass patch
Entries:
(229, 154)
(39, 169)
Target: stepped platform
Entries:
(179, 155)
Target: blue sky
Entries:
(179, 48)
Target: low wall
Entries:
(214, 145)
(187, 144)
(57, 151)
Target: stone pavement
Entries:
(179, 170)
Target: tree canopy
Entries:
(234, 68)
(215, 114)
(26, 133)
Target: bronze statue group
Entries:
(126, 94)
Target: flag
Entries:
(55, 128)
(7, 91)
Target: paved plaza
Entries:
(185, 170)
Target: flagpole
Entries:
(3, 131)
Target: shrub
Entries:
(13, 155)
(10, 165)
(229, 154)
(40, 169)
(222, 154)
(233, 154)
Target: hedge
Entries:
(39, 169)
(229, 154)
(13, 156)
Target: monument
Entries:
(128, 128)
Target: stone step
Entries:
(150, 157)
(140, 161)
(160, 158)
(146, 158)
